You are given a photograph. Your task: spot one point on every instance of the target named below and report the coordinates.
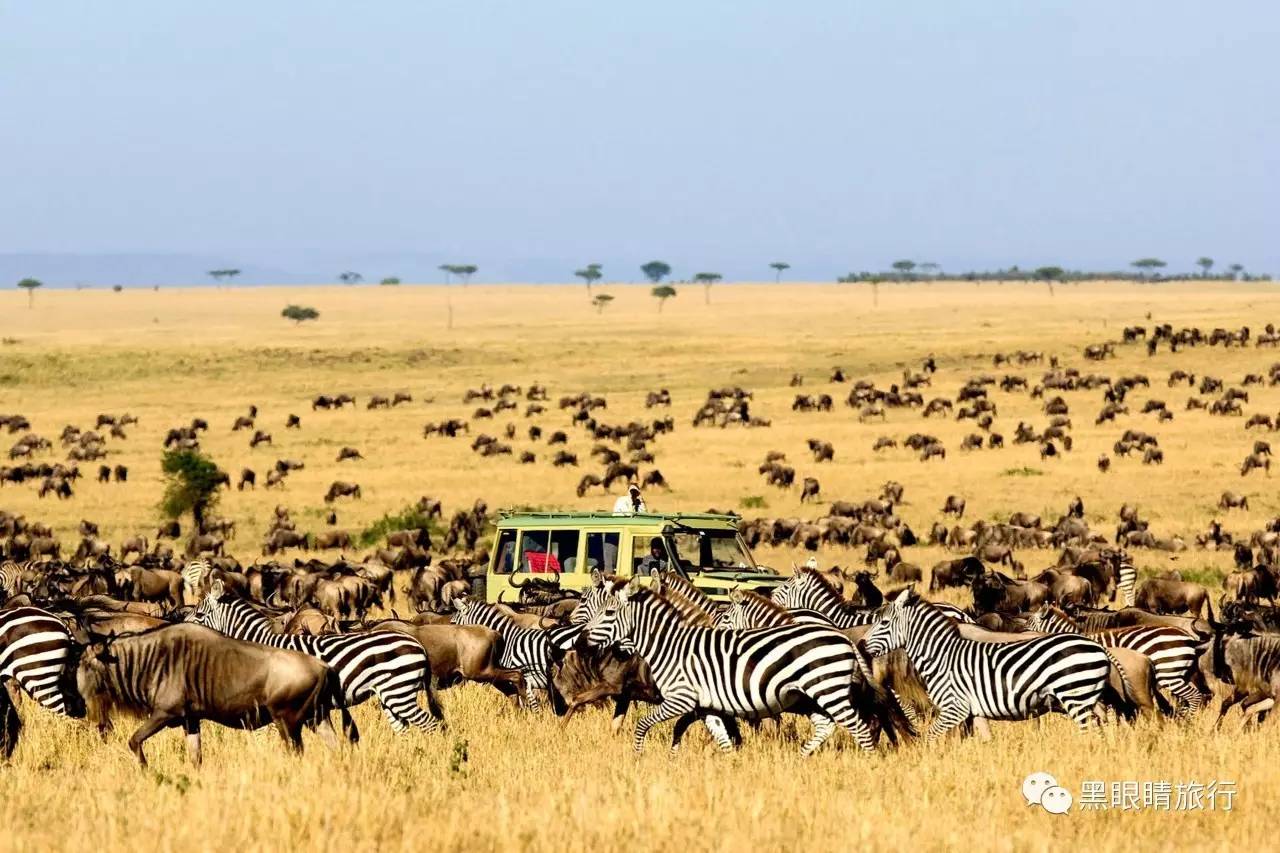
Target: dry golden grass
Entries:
(170, 355)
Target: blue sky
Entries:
(532, 137)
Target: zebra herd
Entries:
(804, 650)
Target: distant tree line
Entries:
(1146, 270)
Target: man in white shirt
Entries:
(630, 503)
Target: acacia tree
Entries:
(904, 268)
(390, 281)
(350, 277)
(590, 274)
(656, 271)
(219, 275)
(1235, 270)
(447, 269)
(30, 285)
(1049, 275)
(601, 301)
(706, 279)
(662, 293)
(191, 485)
(1205, 263)
(1147, 266)
(298, 313)
(778, 268)
(929, 268)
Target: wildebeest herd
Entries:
(180, 630)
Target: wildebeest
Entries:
(341, 489)
(1168, 596)
(954, 505)
(1233, 500)
(185, 674)
(810, 489)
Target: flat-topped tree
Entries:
(706, 279)
(1049, 275)
(601, 301)
(656, 271)
(1205, 263)
(662, 293)
(779, 267)
(219, 275)
(299, 313)
(30, 285)
(904, 268)
(1235, 270)
(590, 274)
(1148, 266)
(350, 277)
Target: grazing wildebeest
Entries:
(185, 674)
(959, 572)
(293, 422)
(954, 506)
(1256, 460)
(341, 489)
(247, 478)
(1233, 500)
(348, 453)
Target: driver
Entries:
(656, 560)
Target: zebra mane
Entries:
(825, 584)
(688, 611)
(750, 599)
(932, 614)
(1056, 613)
(678, 583)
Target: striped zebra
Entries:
(11, 577)
(388, 665)
(757, 674)
(34, 649)
(998, 681)
(1128, 582)
(193, 573)
(810, 591)
(1173, 653)
(525, 649)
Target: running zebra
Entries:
(34, 647)
(1173, 653)
(11, 577)
(996, 681)
(758, 674)
(388, 665)
(525, 649)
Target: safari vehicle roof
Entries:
(544, 520)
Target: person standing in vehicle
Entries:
(630, 503)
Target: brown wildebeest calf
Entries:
(185, 674)
(462, 652)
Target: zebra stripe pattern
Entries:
(1172, 653)
(391, 666)
(998, 681)
(525, 649)
(34, 647)
(1128, 583)
(754, 674)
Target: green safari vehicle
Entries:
(568, 546)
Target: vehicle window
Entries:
(708, 549)
(506, 552)
(564, 549)
(534, 556)
(602, 552)
(649, 555)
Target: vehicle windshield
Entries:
(710, 550)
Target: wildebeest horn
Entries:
(512, 581)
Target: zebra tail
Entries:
(877, 707)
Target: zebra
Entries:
(999, 681)
(525, 649)
(385, 664)
(192, 574)
(811, 592)
(11, 576)
(1128, 582)
(1173, 653)
(754, 674)
(35, 647)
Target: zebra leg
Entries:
(1192, 699)
(402, 709)
(982, 729)
(948, 718)
(837, 708)
(531, 680)
(823, 726)
(674, 704)
(719, 728)
(1083, 712)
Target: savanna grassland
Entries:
(502, 779)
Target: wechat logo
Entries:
(1041, 789)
